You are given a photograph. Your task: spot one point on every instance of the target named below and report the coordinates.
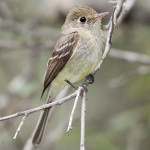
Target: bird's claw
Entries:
(89, 79)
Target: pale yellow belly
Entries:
(81, 64)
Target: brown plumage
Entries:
(61, 54)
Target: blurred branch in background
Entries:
(130, 56)
(30, 29)
(123, 79)
(128, 5)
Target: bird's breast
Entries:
(90, 47)
(83, 61)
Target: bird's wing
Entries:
(61, 54)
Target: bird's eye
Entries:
(82, 19)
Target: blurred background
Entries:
(118, 103)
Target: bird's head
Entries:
(83, 17)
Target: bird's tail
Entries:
(40, 129)
(45, 116)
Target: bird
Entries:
(76, 54)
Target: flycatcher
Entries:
(76, 54)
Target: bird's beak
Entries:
(99, 16)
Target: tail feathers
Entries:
(43, 93)
(40, 129)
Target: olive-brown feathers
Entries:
(81, 11)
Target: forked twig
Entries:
(20, 125)
(73, 110)
(29, 111)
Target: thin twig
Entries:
(29, 111)
(107, 46)
(127, 6)
(73, 110)
(19, 127)
(117, 12)
(83, 110)
(113, 22)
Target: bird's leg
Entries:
(89, 79)
(71, 84)
(76, 86)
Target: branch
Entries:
(19, 127)
(128, 5)
(73, 110)
(27, 112)
(113, 21)
(83, 110)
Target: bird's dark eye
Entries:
(82, 19)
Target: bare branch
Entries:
(127, 6)
(117, 12)
(19, 127)
(73, 110)
(83, 110)
(27, 112)
(113, 22)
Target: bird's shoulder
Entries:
(65, 44)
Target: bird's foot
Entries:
(89, 79)
(72, 84)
